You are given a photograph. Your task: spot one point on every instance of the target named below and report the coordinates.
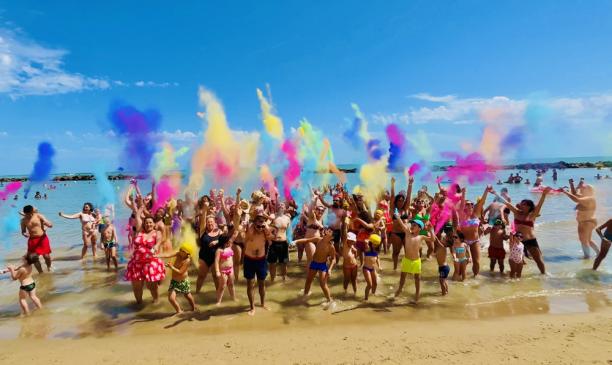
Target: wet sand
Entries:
(545, 339)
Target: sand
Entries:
(532, 339)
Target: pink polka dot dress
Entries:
(144, 266)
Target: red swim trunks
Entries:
(497, 253)
(39, 245)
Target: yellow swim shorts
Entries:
(411, 266)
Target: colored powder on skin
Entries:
(472, 168)
(272, 123)
(42, 167)
(138, 129)
(10, 189)
(292, 172)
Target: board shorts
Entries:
(183, 286)
(255, 267)
(443, 270)
(497, 253)
(39, 245)
(411, 266)
(318, 266)
(278, 252)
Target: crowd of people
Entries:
(248, 237)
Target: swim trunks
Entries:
(182, 286)
(39, 245)
(497, 253)
(255, 267)
(318, 266)
(28, 288)
(278, 252)
(411, 266)
(443, 270)
(109, 245)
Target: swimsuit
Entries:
(207, 253)
(255, 266)
(278, 252)
(471, 242)
(531, 243)
(497, 253)
(400, 235)
(28, 288)
(459, 250)
(516, 253)
(443, 270)
(522, 222)
(472, 222)
(318, 266)
(423, 218)
(109, 245)
(39, 245)
(226, 254)
(411, 266)
(182, 286)
(608, 234)
(144, 266)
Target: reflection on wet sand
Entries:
(83, 299)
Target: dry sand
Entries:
(526, 339)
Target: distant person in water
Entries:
(37, 196)
(606, 240)
(27, 289)
(585, 215)
(554, 175)
(88, 227)
(34, 227)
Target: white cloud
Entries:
(69, 134)
(179, 135)
(501, 110)
(3, 134)
(27, 68)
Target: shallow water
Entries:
(83, 299)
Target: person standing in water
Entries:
(34, 227)
(278, 254)
(606, 240)
(525, 214)
(585, 215)
(88, 227)
(27, 289)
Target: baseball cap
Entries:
(351, 237)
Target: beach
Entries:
(532, 339)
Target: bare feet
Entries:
(251, 312)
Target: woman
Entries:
(469, 224)
(209, 234)
(144, 268)
(585, 215)
(88, 227)
(400, 204)
(525, 214)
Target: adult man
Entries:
(278, 254)
(33, 227)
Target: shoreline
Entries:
(522, 166)
(539, 338)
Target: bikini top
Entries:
(460, 250)
(472, 222)
(226, 253)
(371, 254)
(523, 222)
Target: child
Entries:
(443, 268)
(108, 239)
(380, 227)
(23, 273)
(461, 255)
(349, 260)
(606, 239)
(497, 236)
(370, 263)
(324, 250)
(516, 259)
(411, 262)
(180, 281)
(224, 268)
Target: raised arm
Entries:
(409, 191)
(481, 202)
(70, 216)
(128, 202)
(598, 230)
(506, 203)
(572, 187)
(538, 208)
(392, 206)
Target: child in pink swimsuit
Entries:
(224, 267)
(516, 255)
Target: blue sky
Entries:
(432, 66)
